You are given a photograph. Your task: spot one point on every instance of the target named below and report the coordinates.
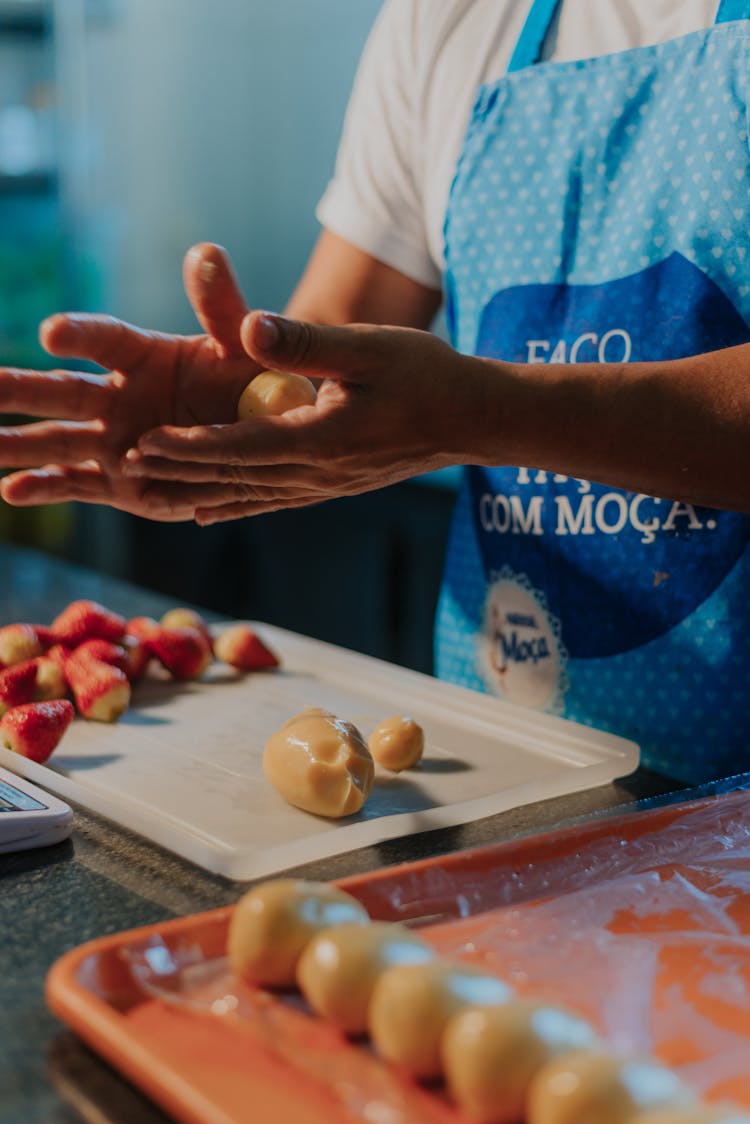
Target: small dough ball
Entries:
(273, 922)
(588, 1087)
(274, 392)
(701, 1114)
(490, 1054)
(339, 968)
(411, 1004)
(320, 763)
(397, 743)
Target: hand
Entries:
(393, 402)
(152, 379)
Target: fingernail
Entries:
(132, 463)
(267, 331)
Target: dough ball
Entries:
(397, 743)
(274, 392)
(490, 1054)
(701, 1114)
(339, 968)
(272, 923)
(320, 763)
(411, 1004)
(588, 1087)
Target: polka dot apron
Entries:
(601, 211)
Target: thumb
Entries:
(318, 350)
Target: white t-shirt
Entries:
(412, 98)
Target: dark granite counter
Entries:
(105, 879)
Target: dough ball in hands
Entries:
(320, 763)
(339, 968)
(397, 743)
(490, 1054)
(411, 1005)
(272, 923)
(274, 392)
(593, 1087)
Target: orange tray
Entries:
(640, 923)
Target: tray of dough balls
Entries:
(259, 749)
(598, 974)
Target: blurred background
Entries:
(130, 129)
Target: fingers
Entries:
(88, 483)
(215, 295)
(71, 395)
(312, 349)
(39, 442)
(133, 464)
(274, 440)
(104, 340)
(243, 509)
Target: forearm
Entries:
(678, 429)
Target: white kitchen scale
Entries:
(30, 817)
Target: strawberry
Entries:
(17, 684)
(18, 642)
(101, 691)
(34, 729)
(87, 620)
(184, 652)
(59, 653)
(105, 651)
(137, 656)
(44, 635)
(141, 627)
(50, 680)
(242, 648)
(187, 618)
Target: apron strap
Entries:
(531, 40)
(733, 10)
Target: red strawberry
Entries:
(101, 691)
(239, 646)
(50, 680)
(141, 627)
(59, 653)
(137, 656)
(87, 620)
(18, 642)
(186, 618)
(44, 635)
(184, 652)
(105, 651)
(17, 684)
(33, 730)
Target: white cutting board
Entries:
(183, 765)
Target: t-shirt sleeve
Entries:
(374, 199)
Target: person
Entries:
(574, 178)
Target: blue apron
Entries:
(600, 210)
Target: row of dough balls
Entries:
(322, 764)
(504, 1060)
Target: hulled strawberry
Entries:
(34, 729)
(50, 680)
(101, 691)
(241, 647)
(19, 642)
(137, 656)
(87, 620)
(17, 684)
(187, 618)
(185, 652)
(105, 651)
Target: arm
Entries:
(395, 402)
(155, 379)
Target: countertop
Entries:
(104, 879)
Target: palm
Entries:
(151, 379)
